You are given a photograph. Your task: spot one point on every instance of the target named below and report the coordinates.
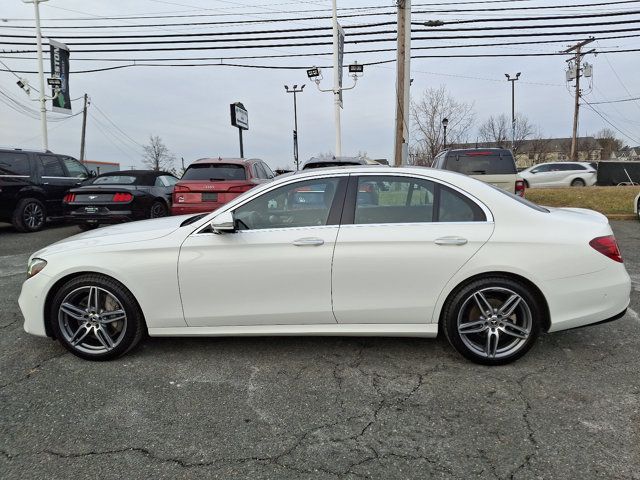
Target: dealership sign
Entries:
(239, 116)
(60, 71)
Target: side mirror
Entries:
(223, 223)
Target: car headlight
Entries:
(35, 266)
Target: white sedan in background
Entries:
(350, 251)
(560, 174)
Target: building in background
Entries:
(102, 167)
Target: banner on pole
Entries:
(340, 60)
(60, 70)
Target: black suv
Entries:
(33, 184)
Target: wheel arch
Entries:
(61, 281)
(546, 320)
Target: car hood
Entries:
(141, 231)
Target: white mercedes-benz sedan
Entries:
(347, 251)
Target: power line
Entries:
(116, 126)
(609, 122)
(275, 20)
(617, 101)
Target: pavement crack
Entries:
(33, 370)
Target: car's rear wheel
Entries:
(492, 321)
(29, 216)
(578, 182)
(96, 317)
(158, 209)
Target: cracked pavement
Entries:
(318, 408)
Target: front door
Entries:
(275, 269)
(406, 238)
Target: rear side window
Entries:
(481, 163)
(75, 168)
(215, 171)
(165, 181)
(268, 171)
(14, 164)
(51, 166)
(455, 207)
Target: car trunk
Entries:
(506, 181)
(212, 191)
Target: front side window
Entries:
(215, 171)
(387, 199)
(300, 204)
(75, 168)
(14, 164)
(51, 166)
(542, 169)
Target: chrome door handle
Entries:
(309, 241)
(450, 241)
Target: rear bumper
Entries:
(191, 208)
(103, 218)
(588, 299)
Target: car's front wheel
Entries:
(96, 317)
(492, 321)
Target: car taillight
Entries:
(180, 188)
(69, 197)
(607, 246)
(122, 197)
(520, 188)
(240, 188)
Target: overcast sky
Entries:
(188, 107)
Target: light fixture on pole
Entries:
(295, 90)
(445, 123)
(513, 107)
(356, 71)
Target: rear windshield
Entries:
(328, 164)
(115, 180)
(481, 164)
(521, 200)
(215, 171)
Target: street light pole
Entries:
(43, 105)
(445, 122)
(513, 107)
(295, 90)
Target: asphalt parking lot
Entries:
(317, 408)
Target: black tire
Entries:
(30, 215)
(127, 332)
(158, 209)
(85, 227)
(578, 182)
(509, 331)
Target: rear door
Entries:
(402, 238)
(56, 181)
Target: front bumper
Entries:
(31, 301)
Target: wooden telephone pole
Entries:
(84, 126)
(402, 82)
(577, 58)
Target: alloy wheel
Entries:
(92, 320)
(494, 322)
(33, 215)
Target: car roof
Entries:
(467, 150)
(234, 161)
(135, 173)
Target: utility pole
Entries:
(513, 107)
(337, 77)
(43, 105)
(295, 90)
(84, 126)
(402, 81)
(576, 108)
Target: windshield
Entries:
(481, 164)
(215, 171)
(115, 180)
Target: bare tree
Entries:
(427, 114)
(608, 142)
(495, 131)
(156, 154)
(498, 131)
(539, 147)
